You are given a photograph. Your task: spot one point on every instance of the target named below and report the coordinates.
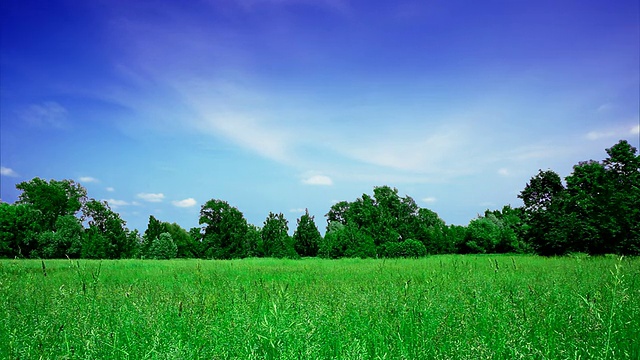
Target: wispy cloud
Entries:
(322, 180)
(297, 211)
(88, 179)
(429, 200)
(613, 133)
(47, 114)
(189, 202)
(116, 203)
(5, 171)
(110, 189)
(150, 197)
(504, 172)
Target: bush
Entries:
(163, 247)
(407, 249)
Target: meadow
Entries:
(438, 307)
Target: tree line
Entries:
(596, 210)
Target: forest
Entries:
(595, 210)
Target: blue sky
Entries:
(281, 105)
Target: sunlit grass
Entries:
(439, 307)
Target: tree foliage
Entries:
(163, 247)
(224, 230)
(52, 199)
(306, 237)
(275, 237)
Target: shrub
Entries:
(163, 247)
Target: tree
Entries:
(196, 237)
(53, 199)
(306, 237)
(545, 202)
(224, 231)
(338, 213)
(430, 230)
(65, 241)
(275, 237)
(108, 230)
(187, 247)
(346, 241)
(254, 246)
(593, 226)
(163, 247)
(623, 177)
(19, 228)
(153, 231)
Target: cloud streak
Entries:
(116, 203)
(321, 180)
(47, 114)
(151, 197)
(88, 179)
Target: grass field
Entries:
(440, 307)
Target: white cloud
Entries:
(88, 179)
(189, 202)
(297, 211)
(318, 180)
(116, 203)
(595, 135)
(613, 133)
(503, 172)
(5, 171)
(110, 189)
(47, 114)
(150, 197)
(429, 200)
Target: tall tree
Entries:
(544, 200)
(306, 237)
(108, 231)
(52, 198)
(153, 231)
(623, 175)
(224, 230)
(275, 237)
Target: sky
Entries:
(285, 105)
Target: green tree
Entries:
(338, 213)
(545, 203)
(113, 241)
(254, 246)
(196, 237)
(163, 247)
(187, 247)
(65, 241)
(306, 237)
(19, 229)
(430, 230)
(346, 241)
(623, 178)
(52, 199)
(275, 237)
(153, 231)
(224, 230)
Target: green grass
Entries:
(440, 307)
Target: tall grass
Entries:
(441, 307)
